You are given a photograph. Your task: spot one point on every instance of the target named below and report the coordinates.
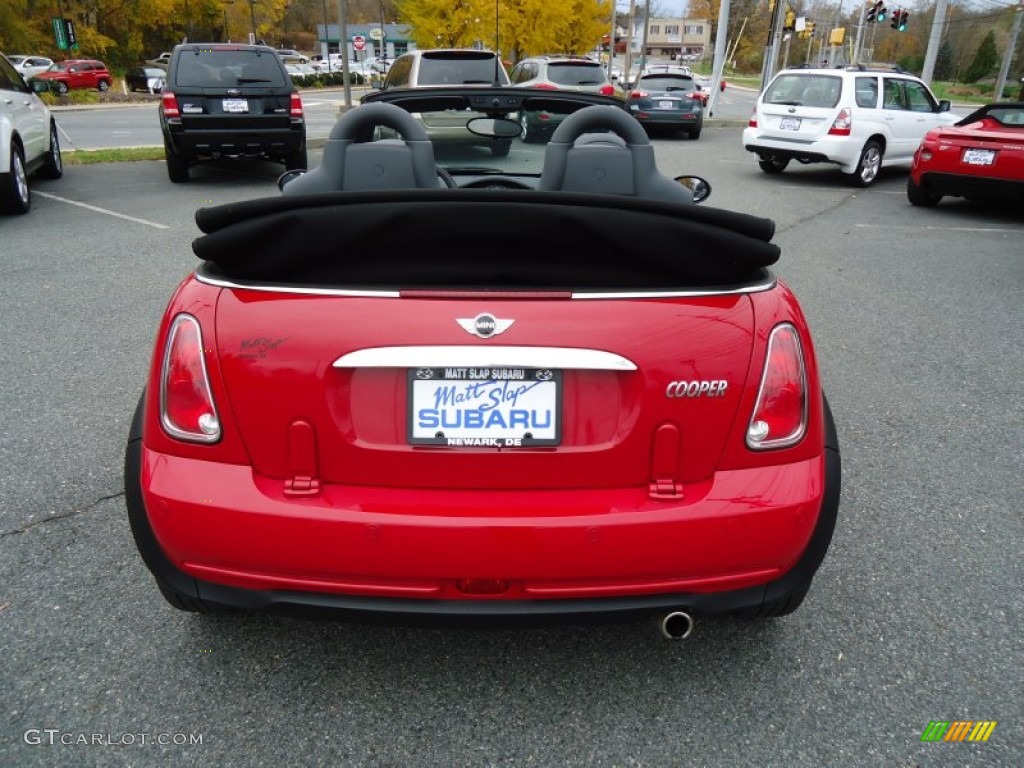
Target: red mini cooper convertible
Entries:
(427, 382)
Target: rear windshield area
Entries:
(804, 90)
(669, 83)
(574, 73)
(214, 68)
(459, 68)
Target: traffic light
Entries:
(903, 21)
(876, 11)
(882, 11)
(790, 23)
(808, 31)
(895, 24)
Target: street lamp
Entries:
(227, 34)
(252, 16)
(327, 42)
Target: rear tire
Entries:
(53, 166)
(104, 85)
(920, 196)
(529, 133)
(296, 161)
(695, 132)
(15, 197)
(177, 166)
(62, 87)
(869, 165)
(773, 165)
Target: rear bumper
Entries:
(842, 152)
(666, 117)
(959, 185)
(272, 142)
(743, 543)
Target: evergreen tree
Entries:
(945, 61)
(985, 60)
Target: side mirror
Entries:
(699, 187)
(945, 105)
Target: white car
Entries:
(859, 119)
(29, 66)
(28, 139)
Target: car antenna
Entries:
(497, 46)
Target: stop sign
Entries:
(359, 42)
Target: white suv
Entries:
(28, 139)
(859, 119)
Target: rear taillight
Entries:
(638, 94)
(842, 124)
(546, 87)
(296, 105)
(607, 90)
(187, 411)
(752, 122)
(780, 415)
(170, 104)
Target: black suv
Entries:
(230, 101)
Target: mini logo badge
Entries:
(485, 325)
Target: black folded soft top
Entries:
(482, 239)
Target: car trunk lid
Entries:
(640, 391)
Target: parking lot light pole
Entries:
(252, 17)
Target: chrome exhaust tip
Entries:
(676, 625)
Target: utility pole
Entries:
(643, 39)
(934, 41)
(774, 33)
(629, 41)
(721, 44)
(860, 35)
(343, 49)
(1010, 47)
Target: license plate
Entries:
(236, 105)
(666, 105)
(790, 124)
(485, 407)
(979, 156)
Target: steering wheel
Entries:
(496, 182)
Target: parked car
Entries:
(28, 139)
(859, 119)
(447, 68)
(227, 100)
(981, 156)
(291, 56)
(29, 66)
(668, 101)
(160, 61)
(373, 396)
(557, 73)
(78, 73)
(148, 79)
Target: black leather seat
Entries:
(604, 150)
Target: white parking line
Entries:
(938, 229)
(101, 210)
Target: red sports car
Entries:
(383, 394)
(981, 156)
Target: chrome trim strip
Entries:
(451, 356)
(221, 283)
(304, 291)
(759, 288)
